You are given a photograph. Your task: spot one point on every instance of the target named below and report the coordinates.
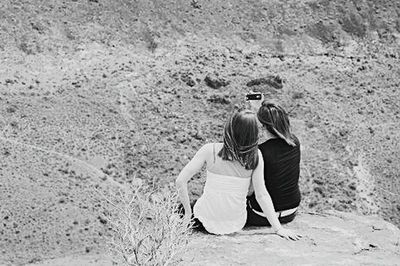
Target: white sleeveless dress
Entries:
(222, 207)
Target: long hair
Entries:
(275, 119)
(240, 139)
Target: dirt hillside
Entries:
(95, 94)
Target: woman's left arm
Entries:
(265, 202)
(186, 174)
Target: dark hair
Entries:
(275, 119)
(240, 139)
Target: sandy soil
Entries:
(98, 94)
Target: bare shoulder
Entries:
(211, 146)
(219, 144)
(206, 148)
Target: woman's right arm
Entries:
(265, 202)
(187, 172)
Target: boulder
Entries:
(271, 80)
(215, 82)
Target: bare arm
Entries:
(262, 195)
(265, 202)
(187, 173)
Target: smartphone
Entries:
(253, 96)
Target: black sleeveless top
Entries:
(281, 174)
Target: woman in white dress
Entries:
(231, 167)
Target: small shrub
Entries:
(146, 229)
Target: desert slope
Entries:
(98, 94)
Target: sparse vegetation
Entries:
(146, 227)
(85, 103)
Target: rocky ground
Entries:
(98, 94)
(330, 238)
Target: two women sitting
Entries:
(239, 164)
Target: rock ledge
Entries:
(331, 238)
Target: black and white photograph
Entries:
(199, 132)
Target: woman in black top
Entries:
(281, 154)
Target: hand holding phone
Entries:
(254, 99)
(253, 96)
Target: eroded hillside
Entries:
(97, 93)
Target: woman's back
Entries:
(281, 174)
(222, 207)
(217, 165)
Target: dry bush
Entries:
(146, 229)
